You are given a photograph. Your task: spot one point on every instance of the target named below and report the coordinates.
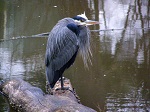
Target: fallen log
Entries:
(26, 98)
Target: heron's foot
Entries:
(63, 88)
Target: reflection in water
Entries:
(130, 41)
(128, 19)
(140, 56)
(118, 80)
(19, 59)
(132, 102)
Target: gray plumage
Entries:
(62, 45)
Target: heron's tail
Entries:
(49, 76)
(52, 76)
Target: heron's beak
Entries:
(91, 22)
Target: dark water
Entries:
(119, 77)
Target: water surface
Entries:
(117, 80)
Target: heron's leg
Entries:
(62, 83)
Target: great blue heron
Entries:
(68, 36)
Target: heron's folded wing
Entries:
(63, 44)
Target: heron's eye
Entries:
(82, 20)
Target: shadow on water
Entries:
(117, 80)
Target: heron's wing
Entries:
(62, 45)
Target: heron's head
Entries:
(83, 20)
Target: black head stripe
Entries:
(79, 18)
